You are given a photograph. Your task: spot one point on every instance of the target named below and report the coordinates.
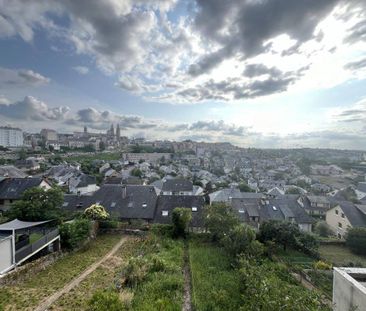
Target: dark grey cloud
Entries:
(31, 108)
(103, 119)
(356, 65)
(243, 26)
(357, 32)
(216, 127)
(255, 70)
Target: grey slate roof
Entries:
(176, 185)
(126, 202)
(170, 202)
(353, 214)
(224, 195)
(361, 186)
(13, 188)
(11, 171)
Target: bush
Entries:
(163, 230)
(181, 218)
(135, 271)
(323, 229)
(74, 233)
(96, 212)
(322, 265)
(356, 240)
(106, 300)
(108, 224)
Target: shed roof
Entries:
(17, 224)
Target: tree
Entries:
(38, 204)
(22, 154)
(356, 240)
(136, 172)
(101, 146)
(219, 220)
(241, 240)
(181, 218)
(288, 234)
(293, 190)
(243, 187)
(323, 229)
(96, 212)
(74, 233)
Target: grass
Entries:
(340, 255)
(322, 280)
(297, 258)
(28, 294)
(34, 237)
(107, 156)
(215, 284)
(160, 288)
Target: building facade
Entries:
(11, 136)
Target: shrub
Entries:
(181, 218)
(163, 230)
(74, 233)
(96, 212)
(322, 265)
(323, 229)
(135, 271)
(108, 224)
(106, 300)
(356, 240)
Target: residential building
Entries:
(349, 289)
(315, 205)
(148, 157)
(11, 189)
(82, 184)
(49, 135)
(344, 216)
(177, 187)
(11, 171)
(11, 136)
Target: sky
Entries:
(256, 73)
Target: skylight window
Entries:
(65, 204)
(164, 213)
(274, 208)
(194, 209)
(144, 205)
(241, 211)
(113, 204)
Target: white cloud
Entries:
(81, 70)
(23, 77)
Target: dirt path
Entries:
(187, 304)
(75, 282)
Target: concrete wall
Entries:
(348, 294)
(5, 253)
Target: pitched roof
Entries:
(11, 171)
(17, 224)
(170, 202)
(176, 185)
(318, 199)
(13, 188)
(129, 202)
(224, 195)
(353, 214)
(361, 186)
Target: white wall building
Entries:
(11, 137)
(349, 289)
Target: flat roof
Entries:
(17, 224)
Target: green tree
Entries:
(181, 217)
(219, 220)
(243, 187)
(356, 240)
(74, 233)
(323, 229)
(101, 146)
(38, 204)
(242, 240)
(293, 190)
(22, 154)
(136, 172)
(96, 212)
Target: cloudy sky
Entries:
(258, 73)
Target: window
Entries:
(336, 211)
(130, 204)
(65, 204)
(241, 211)
(342, 215)
(144, 205)
(340, 225)
(113, 204)
(194, 209)
(164, 213)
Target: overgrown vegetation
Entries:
(356, 240)
(74, 233)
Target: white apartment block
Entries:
(11, 137)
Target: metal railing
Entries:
(31, 248)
